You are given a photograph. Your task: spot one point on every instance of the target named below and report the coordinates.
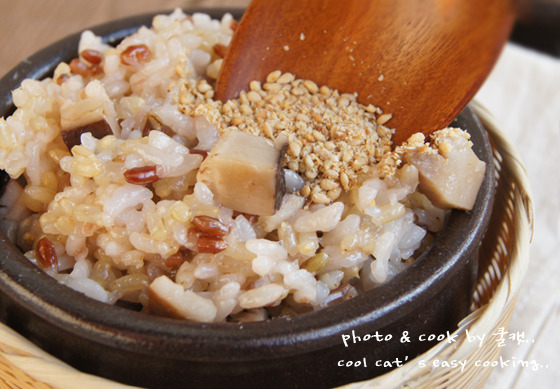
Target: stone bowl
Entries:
(356, 340)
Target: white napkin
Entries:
(523, 93)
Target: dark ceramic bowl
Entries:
(431, 297)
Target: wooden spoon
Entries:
(422, 61)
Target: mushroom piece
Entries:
(98, 130)
(244, 173)
(92, 112)
(172, 300)
(450, 172)
(81, 117)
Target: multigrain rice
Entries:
(124, 217)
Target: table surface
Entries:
(28, 25)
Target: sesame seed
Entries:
(285, 78)
(267, 129)
(295, 148)
(203, 86)
(320, 198)
(344, 180)
(272, 87)
(308, 161)
(325, 90)
(275, 75)
(255, 86)
(382, 119)
(327, 184)
(332, 174)
(311, 174)
(334, 194)
(254, 96)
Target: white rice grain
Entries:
(125, 197)
(324, 219)
(262, 296)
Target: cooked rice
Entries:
(353, 220)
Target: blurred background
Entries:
(523, 93)
(28, 25)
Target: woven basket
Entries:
(503, 262)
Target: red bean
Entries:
(79, 67)
(193, 233)
(46, 254)
(210, 225)
(94, 57)
(175, 260)
(143, 175)
(136, 55)
(206, 243)
(210, 244)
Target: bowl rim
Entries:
(114, 326)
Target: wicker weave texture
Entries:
(503, 263)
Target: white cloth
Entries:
(523, 93)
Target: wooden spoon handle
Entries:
(422, 61)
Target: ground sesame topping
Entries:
(332, 139)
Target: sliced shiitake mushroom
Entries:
(169, 299)
(451, 175)
(98, 129)
(244, 173)
(80, 117)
